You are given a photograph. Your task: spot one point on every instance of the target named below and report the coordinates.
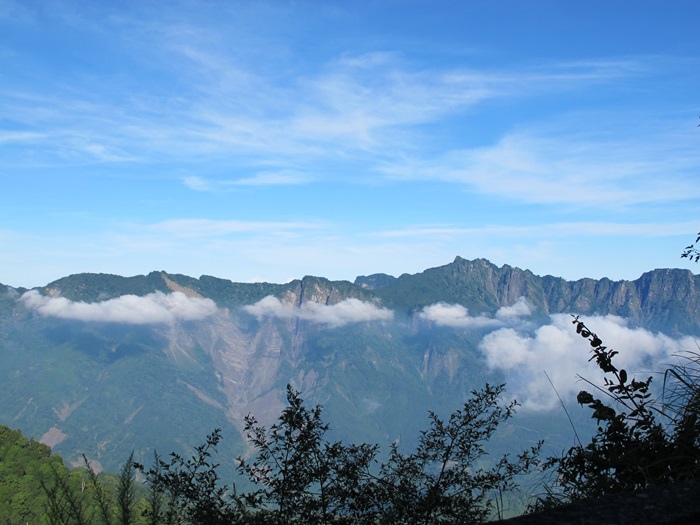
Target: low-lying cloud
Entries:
(343, 313)
(457, 316)
(559, 351)
(130, 309)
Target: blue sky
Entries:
(272, 140)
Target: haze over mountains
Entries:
(104, 364)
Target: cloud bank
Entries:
(457, 316)
(130, 309)
(527, 354)
(340, 314)
(557, 350)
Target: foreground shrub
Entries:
(639, 441)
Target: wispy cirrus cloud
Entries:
(266, 178)
(7, 137)
(228, 105)
(212, 227)
(562, 229)
(566, 168)
(135, 103)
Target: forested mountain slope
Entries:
(104, 364)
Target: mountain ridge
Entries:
(184, 355)
(101, 286)
(477, 284)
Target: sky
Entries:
(266, 141)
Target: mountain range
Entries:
(103, 364)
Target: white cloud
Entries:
(131, 309)
(263, 178)
(560, 229)
(521, 308)
(198, 183)
(563, 354)
(359, 98)
(7, 137)
(211, 227)
(551, 166)
(457, 316)
(242, 109)
(273, 178)
(343, 313)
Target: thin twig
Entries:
(564, 407)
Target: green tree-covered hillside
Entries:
(24, 464)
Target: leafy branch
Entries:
(633, 395)
(691, 252)
(631, 449)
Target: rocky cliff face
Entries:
(321, 291)
(661, 299)
(665, 299)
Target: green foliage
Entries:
(102, 497)
(24, 463)
(91, 287)
(638, 441)
(82, 497)
(126, 492)
(158, 508)
(193, 488)
(301, 477)
(374, 281)
(36, 487)
(125, 391)
(442, 482)
(67, 500)
(227, 293)
(469, 283)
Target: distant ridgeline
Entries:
(665, 299)
(103, 365)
